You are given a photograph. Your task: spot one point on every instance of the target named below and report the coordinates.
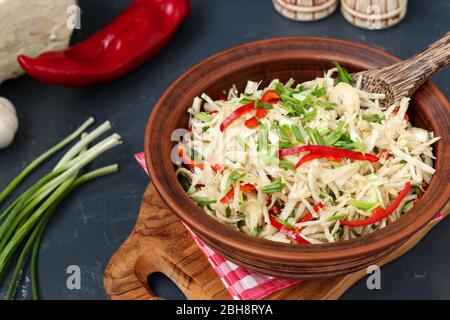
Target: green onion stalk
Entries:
(24, 221)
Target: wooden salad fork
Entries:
(402, 79)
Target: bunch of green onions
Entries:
(23, 222)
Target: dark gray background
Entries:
(95, 220)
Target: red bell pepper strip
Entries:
(236, 114)
(288, 231)
(246, 188)
(270, 96)
(228, 196)
(379, 214)
(190, 164)
(309, 215)
(329, 151)
(135, 36)
(253, 121)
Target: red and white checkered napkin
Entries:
(242, 284)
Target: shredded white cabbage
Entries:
(236, 176)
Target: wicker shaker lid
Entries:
(305, 10)
(374, 14)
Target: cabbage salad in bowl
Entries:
(307, 163)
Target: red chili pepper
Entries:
(190, 164)
(236, 114)
(222, 97)
(379, 214)
(246, 188)
(270, 96)
(309, 215)
(406, 115)
(138, 34)
(290, 232)
(329, 151)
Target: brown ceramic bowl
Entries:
(302, 58)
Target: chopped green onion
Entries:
(283, 144)
(367, 206)
(314, 136)
(203, 117)
(337, 217)
(234, 177)
(228, 212)
(326, 104)
(297, 133)
(286, 164)
(263, 134)
(284, 222)
(246, 101)
(408, 206)
(335, 135)
(255, 233)
(204, 202)
(376, 118)
(375, 205)
(319, 92)
(323, 132)
(193, 154)
(264, 105)
(309, 116)
(276, 186)
(359, 146)
(289, 107)
(286, 91)
(343, 75)
(416, 189)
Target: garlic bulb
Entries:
(8, 122)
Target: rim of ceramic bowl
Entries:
(171, 192)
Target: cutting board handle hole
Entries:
(162, 286)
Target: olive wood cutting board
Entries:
(161, 243)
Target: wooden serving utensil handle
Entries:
(121, 280)
(406, 77)
(160, 243)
